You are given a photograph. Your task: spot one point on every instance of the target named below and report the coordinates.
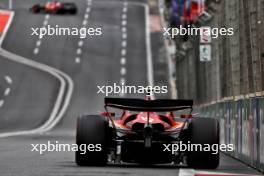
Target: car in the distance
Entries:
(55, 7)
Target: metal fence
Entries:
(242, 124)
(230, 87)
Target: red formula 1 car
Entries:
(55, 7)
(145, 133)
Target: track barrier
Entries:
(241, 124)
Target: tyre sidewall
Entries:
(203, 131)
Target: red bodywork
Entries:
(52, 6)
(127, 120)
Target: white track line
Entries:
(86, 16)
(123, 61)
(79, 51)
(2, 103)
(123, 47)
(80, 43)
(45, 23)
(88, 9)
(124, 9)
(36, 50)
(124, 29)
(149, 54)
(56, 113)
(38, 43)
(60, 106)
(84, 23)
(186, 172)
(124, 16)
(124, 43)
(123, 71)
(123, 52)
(8, 79)
(122, 81)
(124, 35)
(47, 17)
(77, 60)
(7, 91)
(212, 173)
(124, 23)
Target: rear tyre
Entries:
(91, 130)
(35, 9)
(73, 11)
(204, 131)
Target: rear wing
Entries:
(160, 105)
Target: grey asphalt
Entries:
(31, 97)
(33, 92)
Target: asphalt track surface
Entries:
(33, 92)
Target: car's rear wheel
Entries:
(204, 132)
(70, 8)
(35, 9)
(73, 11)
(91, 130)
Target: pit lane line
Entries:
(63, 99)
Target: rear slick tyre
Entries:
(204, 131)
(91, 130)
(35, 9)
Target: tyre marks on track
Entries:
(84, 24)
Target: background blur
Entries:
(229, 86)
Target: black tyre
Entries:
(70, 8)
(92, 129)
(204, 131)
(35, 9)
(73, 11)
